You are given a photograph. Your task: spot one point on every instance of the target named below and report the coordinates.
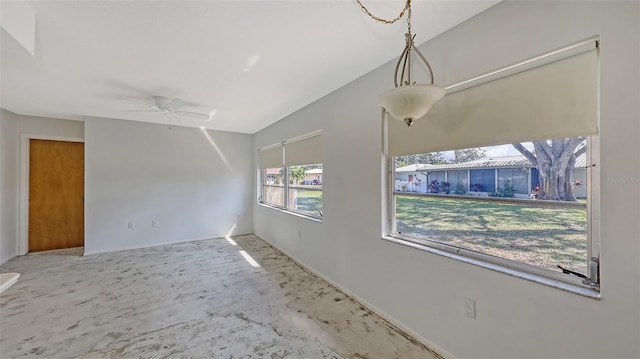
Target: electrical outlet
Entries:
(154, 224)
(130, 225)
(470, 308)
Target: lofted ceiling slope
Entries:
(248, 63)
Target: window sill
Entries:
(567, 287)
(293, 213)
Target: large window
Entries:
(305, 189)
(544, 227)
(273, 186)
(482, 180)
(459, 180)
(291, 174)
(520, 155)
(513, 179)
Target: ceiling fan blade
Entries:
(192, 114)
(141, 102)
(138, 111)
(163, 102)
(175, 102)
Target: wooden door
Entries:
(56, 191)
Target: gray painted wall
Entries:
(425, 292)
(13, 128)
(144, 172)
(139, 172)
(8, 185)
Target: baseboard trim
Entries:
(400, 328)
(128, 248)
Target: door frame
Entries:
(23, 183)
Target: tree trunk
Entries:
(555, 160)
(568, 185)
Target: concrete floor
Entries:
(199, 299)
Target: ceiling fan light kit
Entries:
(408, 101)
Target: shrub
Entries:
(505, 192)
(461, 189)
(434, 187)
(445, 187)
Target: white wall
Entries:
(45, 126)
(425, 292)
(144, 172)
(13, 128)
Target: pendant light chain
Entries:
(408, 100)
(408, 16)
(407, 8)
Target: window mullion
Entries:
(286, 187)
(593, 206)
(391, 170)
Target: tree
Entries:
(423, 158)
(555, 160)
(469, 154)
(296, 174)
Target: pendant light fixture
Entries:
(408, 100)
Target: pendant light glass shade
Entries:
(410, 102)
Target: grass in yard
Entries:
(543, 237)
(309, 201)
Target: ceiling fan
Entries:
(167, 107)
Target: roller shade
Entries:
(556, 100)
(305, 151)
(272, 157)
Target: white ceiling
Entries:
(249, 62)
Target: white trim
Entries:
(515, 268)
(168, 243)
(7, 280)
(291, 212)
(397, 324)
(23, 185)
(571, 286)
(593, 199)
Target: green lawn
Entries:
(309, 201)
(543, 237)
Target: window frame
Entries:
(286, 186)
(263, 194)
(512, 267)
(533, 273)
(289, 188)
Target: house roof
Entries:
(494, 162)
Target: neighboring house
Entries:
(313, 177)
(271, 175)
(483, 176)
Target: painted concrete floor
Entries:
(199, 299)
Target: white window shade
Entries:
(272, 157)
(304, 151)
(555, 100)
